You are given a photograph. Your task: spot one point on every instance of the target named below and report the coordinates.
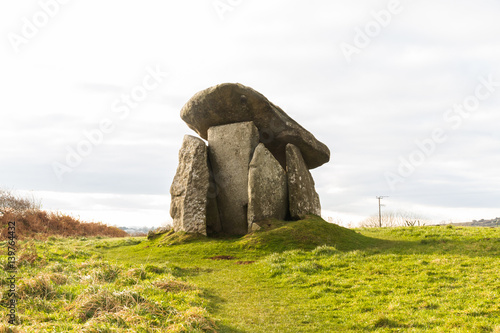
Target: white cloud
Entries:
(368, 112)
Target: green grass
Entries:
(303, 276)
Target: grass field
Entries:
(304, 276)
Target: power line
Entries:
(380, 210)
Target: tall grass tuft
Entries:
(99, 301)
(170, 285)
(39, 286)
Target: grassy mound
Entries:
(307, 234)
(177, 238)
(276, 236)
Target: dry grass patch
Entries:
(173, 286)
(95, 302)
(5, 328)
(39, 286)
(194, 319)
(137, 273)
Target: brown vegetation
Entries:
(40, 224)
(32, 222)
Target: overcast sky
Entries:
(406, 95)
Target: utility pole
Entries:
(380, 210)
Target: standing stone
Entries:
(230, 149)
(190, 187)
(301, 193)
(267, 188)
(213, 219)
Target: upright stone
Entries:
(230, 149)
(190, 187)
(303, 198)
(213, 218)
(267, 188)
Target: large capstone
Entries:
(230, 150)
(267, 188)
(190, 186)
(233, 102)
(303, 199)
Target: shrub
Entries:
(13, 202)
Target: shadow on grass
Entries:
(468, 241)
(229, 329)
(214, 306)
